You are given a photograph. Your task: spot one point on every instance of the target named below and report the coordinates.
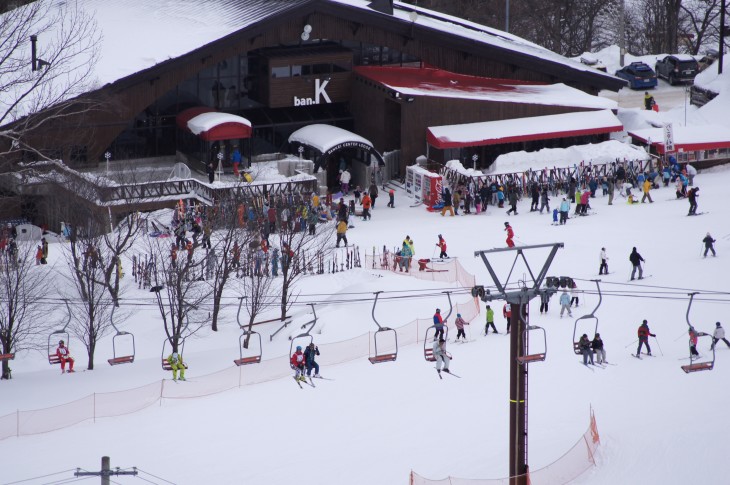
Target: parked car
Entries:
(589, 60)
(677, 68)
(706, 61)
(639, 75)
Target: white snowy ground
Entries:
(373, 424)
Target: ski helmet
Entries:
(717, 324)
(299, 347)
(506, 223)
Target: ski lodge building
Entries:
(189, 81)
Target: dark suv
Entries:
(677, 68)
(639, 75)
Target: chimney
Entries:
(382, 6)
(33, 55)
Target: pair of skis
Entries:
(309, 381)
(446, 372)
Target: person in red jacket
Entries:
(366, 203)
(507, 312)
(442, 245)
(297, 363)
(644, 333)
(510, 235)
(64, 356)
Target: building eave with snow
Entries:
(281, 65)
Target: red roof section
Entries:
(188, 114)
(413, 77)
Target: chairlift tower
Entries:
(519, 298)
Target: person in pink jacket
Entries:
(460, 322)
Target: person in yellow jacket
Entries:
(176, 363)
(341, 232)
(647, 188)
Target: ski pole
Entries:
(632, 343)
(657, 344)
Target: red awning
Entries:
(686, 138)
(186, 115)
(524, 129)
(220, 126)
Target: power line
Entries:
(38, 477)
(155, 476)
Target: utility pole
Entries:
(622, 34)
(723, 33)
(520, 356)
(105, 472)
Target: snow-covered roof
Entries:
(207, 121)
(687, 138)
(138, 34)
(524, 129)
(325, 137)
(410, 81)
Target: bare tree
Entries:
(257, 296)
(180, 288)
(35, 94)
(23, 288)
(698, 24)
(116, 243)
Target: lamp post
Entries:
(686, 94)
(107, 155)
(474, 159)
(220, 166)
(300, 150)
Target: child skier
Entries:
(176, 364)
(490, 321)
(297, 363)
(441, 356)
(460, 322)
(510, 235)
(565, 304)
(442, 245)
(708, 245)
(693, 342)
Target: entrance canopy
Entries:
(524, 129)
(186, 115)
(686, 138)
(220, 126)
(328, 139)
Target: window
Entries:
(296, 71)
(284, 71)
(316, 69)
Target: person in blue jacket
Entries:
(565, 304)
(438, 323)
(309, 354)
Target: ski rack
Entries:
(120, 359)
(384, 357)
(244, 341)
(306, 334)
(52, 357)
(537, 356)
(592, 315)
(428, 351)
(694, 366)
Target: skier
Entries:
(341, 232)
(636, 261)
(507, 312)
(585, 348)
(574, 295)
(309, 354)
(64, 356)
(693, 335)
(438, 323)
(708, 244)
(460, 322)
(176, 364)
(603, 269)
(598, 348)
(297, 363)
(490, 321)
(440, 354)
(718, 334)
(510, 235)
(544, 300)
(564, 208)
(442, 244)
(644, 333)
(565, 304)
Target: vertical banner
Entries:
(668, 138)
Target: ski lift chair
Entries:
(121, 358)
(695, 365)
(379, 336)
(247, 335)
(53, 359)
(591, 316)
(431, 332)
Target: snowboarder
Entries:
(442, 245)
(644, 333)
(598, 348)
(718, 334)
(603, 268)
(708, 245)
(693, 335)
(176, 364)
(565, 304)
(460, 322)
(636, 261)
(438, 323)
(544, 300)
(440, 354)
(507, 313)
(490, 321)
(309, 354)
(64, 356)
(297, 362)
(585, 348)
(510, 235)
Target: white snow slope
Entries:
(373, 424)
